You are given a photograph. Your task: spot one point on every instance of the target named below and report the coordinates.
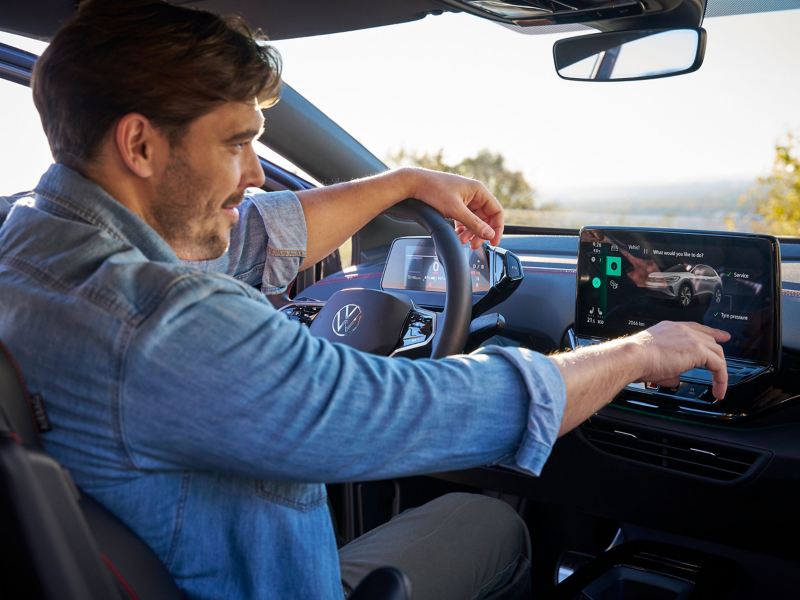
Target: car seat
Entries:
(60, 543)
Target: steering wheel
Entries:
(386, 323)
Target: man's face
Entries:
(204, 179)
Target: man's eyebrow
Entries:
(244, 136)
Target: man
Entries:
(179, 397)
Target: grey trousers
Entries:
(459, 546)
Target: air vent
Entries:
(693, 457)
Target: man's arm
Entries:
(334, 213)
(595, 375)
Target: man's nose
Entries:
(252, 173)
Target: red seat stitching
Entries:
(122, 581)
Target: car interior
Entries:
(666, 492)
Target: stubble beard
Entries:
(178, 213)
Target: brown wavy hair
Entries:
(168, 63)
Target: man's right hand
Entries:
(669, 349)
(594, 375)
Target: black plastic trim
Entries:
(687, 456)
(283, 178)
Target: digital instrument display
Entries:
(630, 279)
(412, 265)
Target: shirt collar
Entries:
(69, 194)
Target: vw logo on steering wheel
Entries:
(346, 320)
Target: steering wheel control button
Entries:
(514, 267)
(419, 330)
(302, 312)
(596, 283)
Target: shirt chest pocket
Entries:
(301, 496)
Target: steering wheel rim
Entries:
(451, 334)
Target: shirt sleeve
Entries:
(267, 244)
(548, 394)
(217, 379)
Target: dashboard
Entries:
(726, 474)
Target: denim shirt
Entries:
(207, 421)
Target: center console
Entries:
(629, 279)
(651, 570)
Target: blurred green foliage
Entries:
(780, 207)
(509, 187)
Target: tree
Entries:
(781, 206)
(510, 187)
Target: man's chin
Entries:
(219, 249)
(210, 249)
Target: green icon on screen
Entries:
(596, 282)
(614, 266)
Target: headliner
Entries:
(279, 19)
(282, 19)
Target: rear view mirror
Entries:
(630, 55)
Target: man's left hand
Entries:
(477, 213)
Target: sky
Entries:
(460, 84)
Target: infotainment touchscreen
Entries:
(413, 265)
(630, 279)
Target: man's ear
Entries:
(140, 145)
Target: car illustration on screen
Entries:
(683, 283)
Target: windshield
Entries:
(716, 149)
(708, 150)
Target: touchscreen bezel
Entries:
(773, 352)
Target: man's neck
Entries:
(117, 182)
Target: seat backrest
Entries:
(48, 549)
(55, 523)
(16, 412)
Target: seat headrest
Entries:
(16, 411)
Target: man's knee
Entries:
(486, 534)
(487, 519)
(456, 546)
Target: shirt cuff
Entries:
(548, 396)
(285, 224)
